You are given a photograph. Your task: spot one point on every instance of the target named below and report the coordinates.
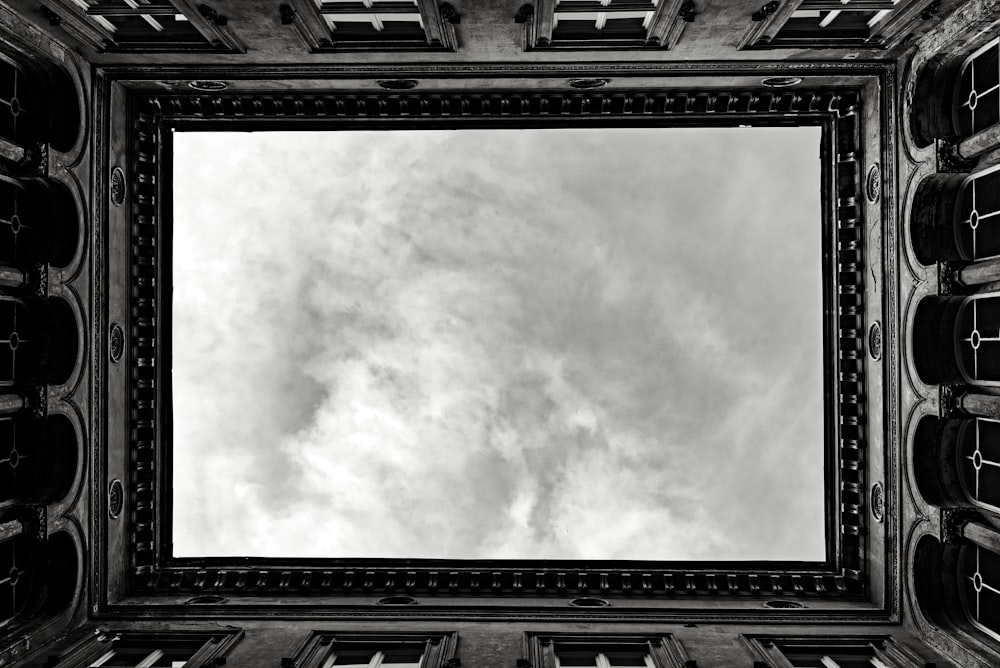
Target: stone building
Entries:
(908, 95)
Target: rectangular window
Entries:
(831, 652)
(604, 651)
(149, 650)
(832, 23)
(374, 650)
(145, 25)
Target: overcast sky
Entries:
(579, 344)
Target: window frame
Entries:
(661, 650)
(92, 648)
(765, 32)
(318, 647)
(767, 648)
(438, 22)
(666, 25)
(212, 26)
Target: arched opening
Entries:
(37, 459)
(39, 223)
(930, 109)
(38, 340)
(934, 340)
(934, 461)
(932, 218)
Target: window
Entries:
(596, 24)
(832, 23)
(838, 19)
(17, 110)
(148, 650)
(604, 651)
(145, 25)
(979, 587)
(376, 25)
(830, 652)
(388, 658)
(977, 97)
(375, 650)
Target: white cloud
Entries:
(533, 344)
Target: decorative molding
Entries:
(438, 647)
(151, 573)
(211, 25)
(438, 22)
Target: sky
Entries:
(528, 344)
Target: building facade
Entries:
(908, 95)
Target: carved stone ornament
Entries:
(878, 502)
(117, 186)
(873, 183)
(116, 342)
(116, 498)
(765, 11)
(524, 13)
(952, 521)
(875, 341)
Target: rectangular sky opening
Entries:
(599, 343)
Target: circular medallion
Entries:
(783, 604)
(588, 83)
(116, 498)
(397, 84)
(781, 82)
(875, 341)
(117, 186)
(878, 502)
(873, 183)
(589, 602)
(208, 85)
(116, 343)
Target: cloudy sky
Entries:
(563, 343)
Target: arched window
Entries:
(38, 578)
(977, 339)
(978, 454)
(979, 587)
(977, 216)
(17, 105)
(20, 342)
(957, 340)
(976, 105)
(18, 581)
(37, 458)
